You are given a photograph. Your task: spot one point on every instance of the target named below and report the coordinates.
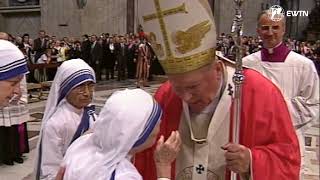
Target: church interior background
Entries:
(76, 17)
(73, 18)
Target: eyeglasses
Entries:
(84, 88)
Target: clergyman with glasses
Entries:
(67, 116)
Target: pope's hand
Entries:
(166, 152)
(237, 157)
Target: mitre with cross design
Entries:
(181, 32)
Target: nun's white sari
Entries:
(126, 121)
(62, 123)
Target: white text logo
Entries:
(277, 12)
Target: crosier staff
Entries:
(238, 77)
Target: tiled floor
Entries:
(104, 90)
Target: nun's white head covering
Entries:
(126, 121)
(70, 74)
(12, 61)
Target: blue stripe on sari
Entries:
(20, 69)
(85, 122)
(113, 175)
(73, 83)
(73, 75)
(153, 119)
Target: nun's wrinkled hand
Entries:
(60, 173)
(166, 152)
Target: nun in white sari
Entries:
(13, 66)
(67, 115)
(128, 122)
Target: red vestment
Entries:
(265, 128)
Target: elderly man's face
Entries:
(198, 88)
(9, 88)
(82, 95)
(271, 32)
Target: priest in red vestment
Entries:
(197, 101)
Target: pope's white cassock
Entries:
(62, 122)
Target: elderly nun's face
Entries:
(9, 88)
(82, 95)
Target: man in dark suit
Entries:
(110, 58)
(86, 48)
(40, 45)
(122, 52)
(96, 56)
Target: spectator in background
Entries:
(75, 51)
(40, 45)
(96, 55)
(122, 53)
(4, 36)
(110, 58)
(86, 48)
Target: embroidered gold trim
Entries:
(190, 39)
(174, 65)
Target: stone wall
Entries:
(64, 18)
(104, 16)
(60, 18)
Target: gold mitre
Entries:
(181, 32)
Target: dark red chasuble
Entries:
(266, 129)
(277, 54)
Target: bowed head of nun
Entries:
(128, 120)
(13, 66)
(12, 61)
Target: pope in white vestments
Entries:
(198, 101)
(67, 115)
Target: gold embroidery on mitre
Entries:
(190, 39)
(168, 12)
(160, 15)
(157, 47)
(175, 65)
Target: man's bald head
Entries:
(268, 13)
(4, 36)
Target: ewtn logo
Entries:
(277, 12)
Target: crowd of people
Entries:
(186, 130)
(106, 54)
(252, 44)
